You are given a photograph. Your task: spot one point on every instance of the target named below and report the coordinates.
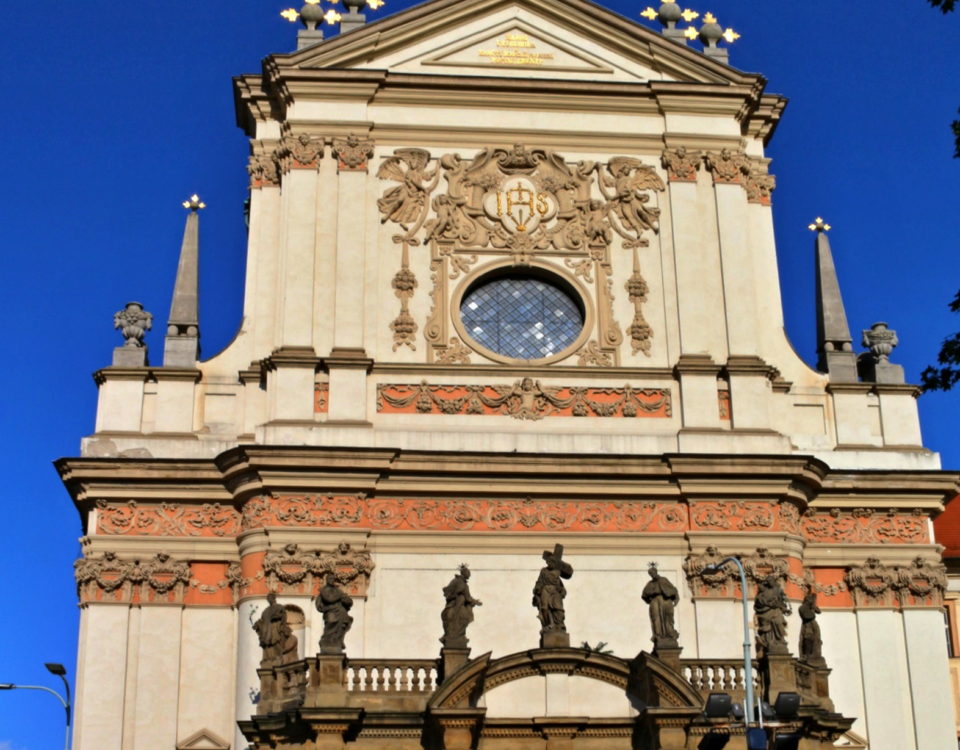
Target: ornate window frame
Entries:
(505, 268)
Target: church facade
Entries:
(510, 387)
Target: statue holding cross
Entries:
(548, 595)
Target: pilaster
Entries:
(700, 293)
(352, 154)
(120, 401)
(298, 239)
(291, 373)
(699, 399)
(176, 398)
(348, 370)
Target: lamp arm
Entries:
(747, 659)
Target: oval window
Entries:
(521, 316)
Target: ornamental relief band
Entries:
(860, 526)
(109, 578)
(519, 206)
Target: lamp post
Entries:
(61, 672)
(747, 660)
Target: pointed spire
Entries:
(835, 354)
(182, 344)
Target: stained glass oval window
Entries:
(521, 317)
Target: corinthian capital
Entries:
(353, 152)
(681, 165)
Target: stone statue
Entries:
(334, 604)
(133, 322)
(811, 644)
(274, 633)
(549, 592)
(458, 612)
(662, 596)
(771, 608)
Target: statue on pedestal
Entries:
(457, 614)
(662, 596)
(771, 608)
(334, 604)
(274, 634)
(811, 644)
(549, 592)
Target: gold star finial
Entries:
(731, 36)
(819, 226)
(194, 203)
(290, 14)
(689, 15)
(650, 13)
(332, 17)
(375, 4)
(709, 17)
(691, 33)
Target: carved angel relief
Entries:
(520, 205)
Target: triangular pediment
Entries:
(515, 45)
(557, 39)
(203, 740)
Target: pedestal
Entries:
(554, 639)
(781, 675)
(327, 683)
(451, 660)
(669, 655)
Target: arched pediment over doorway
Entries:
(644, 681)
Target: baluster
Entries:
(404, 679)
(417, 681)
(738, 683)
(367, 679)
(381, 679)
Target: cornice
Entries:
(431, 19)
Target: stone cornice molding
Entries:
(734, 167)
(289, 356)
(696, 364)
(176, 373)
(122, 373)
(622, 36)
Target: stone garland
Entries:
(295, 571)
(525, 399)
(922, 583)
(108, 577)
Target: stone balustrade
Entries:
(718, 676)
(391, 675)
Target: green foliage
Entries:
(956, 135)
(947, 375)
(944, 5)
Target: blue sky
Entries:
(114, 115)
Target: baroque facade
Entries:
(511, 304)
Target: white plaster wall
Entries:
(101, 667)
(886, 681)
(929, 669)
(720, 629)
(158, 680)
(247, 662)
(557, 695)
(603, 604)
(207, 664)
(841, 649)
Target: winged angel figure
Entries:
(627, 189)
(405, 203)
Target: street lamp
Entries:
(61, 672)
(756, 737)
